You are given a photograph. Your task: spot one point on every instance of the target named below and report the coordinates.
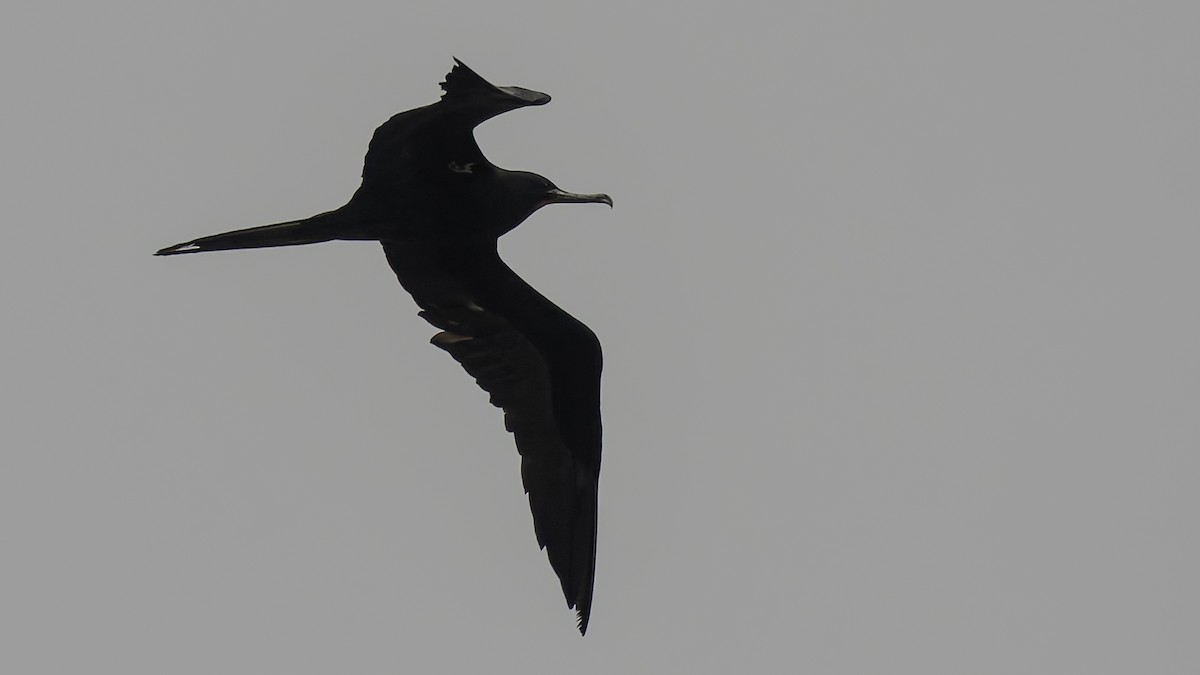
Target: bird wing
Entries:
(542, 367)
(417, 149)
(439, 138)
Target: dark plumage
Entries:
(438, 207)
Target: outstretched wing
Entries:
(417, 148)
(542, 367)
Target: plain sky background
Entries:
(898, 301)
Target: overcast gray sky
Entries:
(898, 301)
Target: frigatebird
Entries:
(439, 206)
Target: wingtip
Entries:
(583, 610)
(175, 250)
(581, 621)
(462, 79)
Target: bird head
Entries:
(540, 192)
(524, 192)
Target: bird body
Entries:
(439, 206)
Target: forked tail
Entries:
(292, 233)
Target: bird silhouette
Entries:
(439, 206)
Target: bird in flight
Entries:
(439, 206)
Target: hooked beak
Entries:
(557, 196)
